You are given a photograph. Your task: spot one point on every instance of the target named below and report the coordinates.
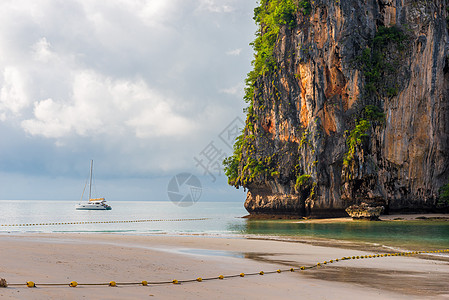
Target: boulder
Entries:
(364, 211)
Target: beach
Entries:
(393, 217)
(101, 258)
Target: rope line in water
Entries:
(30, 284)
(102, 222)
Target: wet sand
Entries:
(395, 217)
(101, 258)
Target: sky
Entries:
(148, 89)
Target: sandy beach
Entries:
(394, 217)
(101, 258)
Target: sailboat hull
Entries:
(88, 206)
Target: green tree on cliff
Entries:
(444, 195)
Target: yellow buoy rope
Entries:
(201, 279)
(102, 222)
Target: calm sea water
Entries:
(221, 217)
(224, 218)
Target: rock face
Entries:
(355, 109)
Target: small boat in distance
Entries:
(93, 203)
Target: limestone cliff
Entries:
(348, 103)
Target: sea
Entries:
(217, 219)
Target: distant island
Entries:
(347, 103)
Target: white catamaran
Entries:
(93, 203)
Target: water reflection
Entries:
(408, 234)
(209, 252)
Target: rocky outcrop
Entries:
(3, 283)
(364, 212)
(350, 106)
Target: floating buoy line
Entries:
(102, 222)
(73, 284)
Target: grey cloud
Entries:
(159, 84)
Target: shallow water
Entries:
(208, 252)
(223, 219)
(411, 235)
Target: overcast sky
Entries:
(140, 86)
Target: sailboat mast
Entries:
(90, 183)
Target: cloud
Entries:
(160, 120)
(236, 90)
(235, 52)
(140, 86)
(13, 93)
(215, 6)
(42, 51)
(101, 105)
